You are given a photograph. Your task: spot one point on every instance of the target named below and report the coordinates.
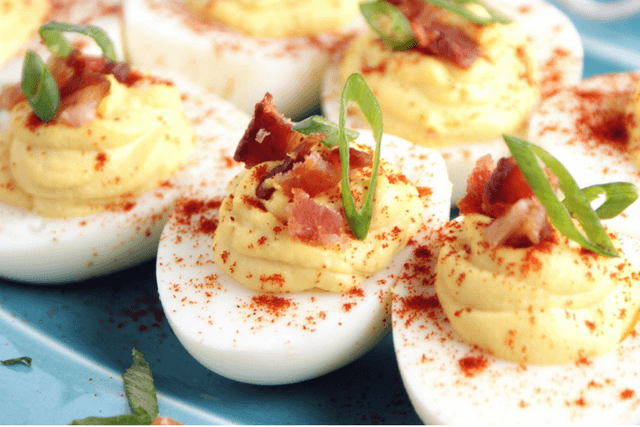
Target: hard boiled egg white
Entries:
(50, 251)
(561, 125)
(279, 338)
(237, 67)
(450, 382)
(560, 57)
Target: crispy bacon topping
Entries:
(269, 136)
(314, 175)
(502, 192)
(82, 83)
(436, 38)
(312, 222)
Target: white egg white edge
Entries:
(553, 127)
(47, 251)
(225, 62)
(548, 28)
(429, 351)
(214, 322)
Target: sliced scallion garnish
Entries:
(389, 23)
(356, 90)
(576, 202)
(26, 360)
(320, 124)
(394, 29)
(51, 35)
(39, 87)
(618, 196)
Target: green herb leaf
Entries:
(356, 89)
(389, 23)
(39, 87)
(26, 360)
(51, 35)
(618, 196)
(141, 393)
(457, 7)
(319, 124)
(575, 200)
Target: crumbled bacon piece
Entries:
(165, 421)
(269, 136)
(502, 192)
(505, 186)
(478, 178)
(436, 38)
(358, 159)
(314, 175)
(10, 96)
(523, 224)
(312, 222)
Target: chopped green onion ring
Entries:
(319, 124)
(576, 201)
(51, 35)
(389, 23)
(39, 87)
(26, 360)
(619, 195)
(356, 89)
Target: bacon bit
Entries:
(10, 96)
(80, 107)
(312, 222)
(502, 192)
(525, 224)
(314, 176)
(269, 136)
(471, 202)
(436, 38)
(358, 159)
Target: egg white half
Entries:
(238, 67)
(223, 326)
(429, 353)
(50, 251)
(559, 51)
(555, 127)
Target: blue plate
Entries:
(80, 338)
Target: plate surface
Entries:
(80, 337)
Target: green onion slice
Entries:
(141, 393)
(355, 89)
(39, 87)
(457, 7)
(51, 35)
(575, 202)
(618, 196)
(389, 23)
(26, 360)
(319, 124)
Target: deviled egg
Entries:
(513, 321)
(239, 49)
(485, 83)
(258, 281)
(87, 187)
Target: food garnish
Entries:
(141, 393)
(395, 30)
(320, 124)
(356, 89)
(576, 202)
(26, 360)
(38, 84)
